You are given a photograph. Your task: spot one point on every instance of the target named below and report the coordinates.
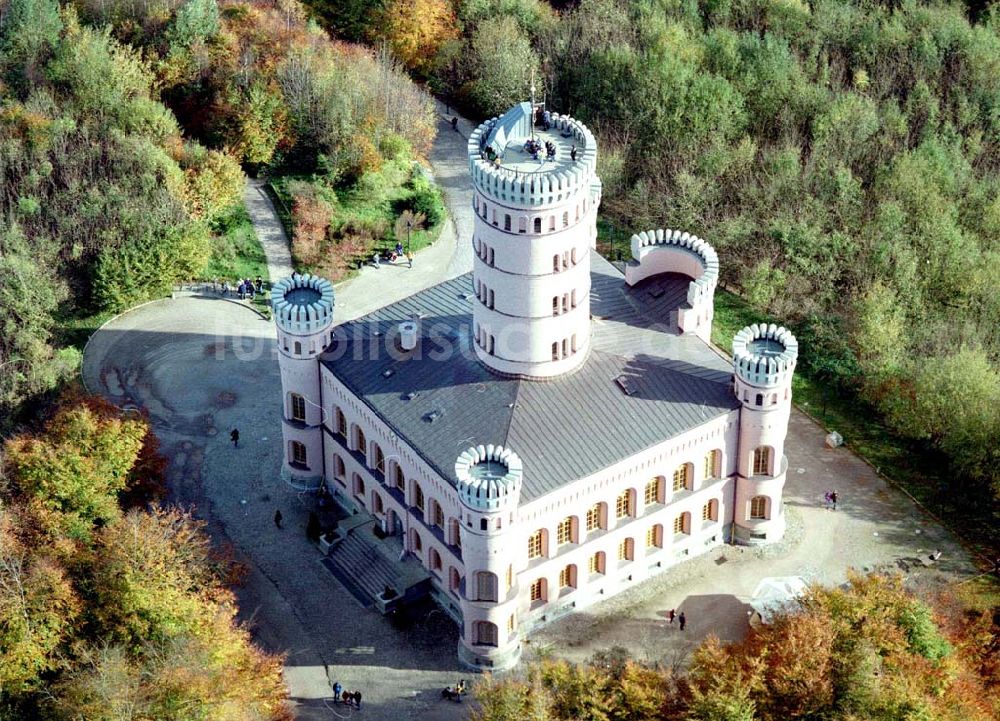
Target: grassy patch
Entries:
(73, 331)
(361, 217)
(236, 252)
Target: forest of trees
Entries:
(109, 611)
(842, 155)
(123, 129)
(868, 651)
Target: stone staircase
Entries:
(365, 565)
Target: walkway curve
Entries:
(270, 232)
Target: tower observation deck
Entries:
(536, 194)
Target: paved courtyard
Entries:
(203, 365)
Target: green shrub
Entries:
(427, 199)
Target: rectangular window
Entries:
(537, 589)
(298, 453)
(510, 577)
(506, 222)
(679, 524)
(535, 544)
(758, 507)
(555, 305)
(623, 504)
(594, 517)
(564, 532)
(566, 577)
(555, 351)
(706, 512)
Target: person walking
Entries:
(826, 500)
(235, 437)
(375, 259)
(357, 699)
(409, 259)
(337, 688)
(454, 123)
(671, 615)
(346, 697)
(833, 499)
(683, 620)
(277, 518)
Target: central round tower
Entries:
(535, 223)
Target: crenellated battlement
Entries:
(489, 477)
(541, 186)
(702, 288)
(765, 355)
(302, 304)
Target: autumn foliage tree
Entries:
(107, 614)
(417, 29)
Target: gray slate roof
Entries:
(563, 429)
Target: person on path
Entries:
(235, 437)
(277, 518)
(346, 697)
(454, 123)
(682, 620)
(826, 500)
(670, 616)
(409, 259)
(259, 284)
(357, 699)
(337, 688)
(375, 259)
(833, 499)
(398, 252)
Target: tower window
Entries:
(762, 461)
(566, 219)
(506, 222)
(758, 507)
(555, 305)
(485, 633)
(538, 225)
(555, 263)
(298, 348)
(760, 399)
(298, 407)
(555, 351)
(297, 454)
(486, 586)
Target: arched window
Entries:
(552, 223)
(595, 564)
(484, 524)
(536, 544)
(572, 256)
(341, 423)
(774, 399)
(566, 219)
(377, 503)
(758, 507)
(624, 505)
(437, 515)
(712, 464)
(418, 496)
(338, 467)
(596, 517)
(760, 399)
(486, 586)
(566, 531)
(484, 633)
(298, 348)
(654, 491)
(297, 407)
(454, 579)
(626, 550)
(654, 536)
(435, 558)
(360, 442)
(710, 511)
(522, 224)
(416, 543)
(555, 263)
(538, 225)
(555, 305)
(359, 486)
(506, 221)
(400, 481)
(454, 532)
(555, 351)
(762, 461)
(682, 523)
(682, 477)
(567, 577)
(378, 457)
(539, 591)
(297, 454)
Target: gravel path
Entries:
(269, 229)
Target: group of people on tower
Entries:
(534, 148)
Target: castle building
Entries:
(549, 429)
